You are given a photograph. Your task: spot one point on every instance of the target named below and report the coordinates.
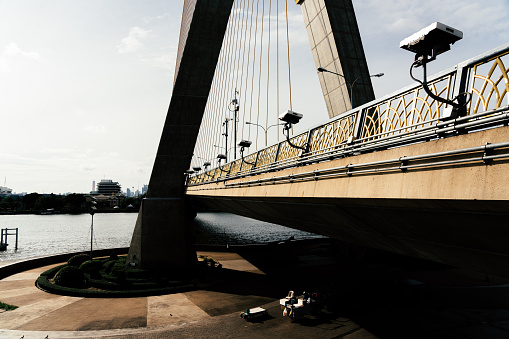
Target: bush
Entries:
(70, 276)
(78, 259)
(108, 265)
(89, 265)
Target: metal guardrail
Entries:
(402, 118)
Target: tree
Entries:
(75, 203)
(29, 200)
(7, 203)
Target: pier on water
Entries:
(3, 238)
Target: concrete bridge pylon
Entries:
(161, 238)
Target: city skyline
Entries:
(86, 85)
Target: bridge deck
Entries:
(452, 207)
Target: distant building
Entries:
(107, 187)
(128, 193)
(5, 190)
(144, 189)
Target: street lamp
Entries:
(264, 130)
(378, 75)
(92, 212)
(289, 118)
(233, 106)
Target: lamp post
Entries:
(264, 130)
(235, 109)
(378, 75)
(92, 212)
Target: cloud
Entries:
(95, 129)
(133, 41)
(47, 150)
(404, 17)
(87, 168)
(164, 61)
(13, 50)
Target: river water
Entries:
(60, 233)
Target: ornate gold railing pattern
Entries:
(375, 124)
(406, 112)
(287, 152)
(332, 134)
(249, 163)
(222, 171)
(235, 167)
(267, 156)
(490, 84)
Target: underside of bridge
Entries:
(448, 211)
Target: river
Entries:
(60, 233)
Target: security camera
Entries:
(245, 143)
(432, 40)
(197, 168)
(290, 117)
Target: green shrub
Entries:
(78, 259)
(108, 265)
(70, 276)
(7, 307)
(90, 265)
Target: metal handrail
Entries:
(394, 136)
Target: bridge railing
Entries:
(404, 117)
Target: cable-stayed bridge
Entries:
(399, 173)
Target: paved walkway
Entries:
(209, 312)
(383, 300)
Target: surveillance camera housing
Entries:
(432, 40)
(221, 156)
(197, 168)
(290, 117)
(245, 143)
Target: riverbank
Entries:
(366, 298)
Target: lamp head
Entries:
(221, 156)
(290, 117)
(245, 143)
(431, 41)
(197, 168)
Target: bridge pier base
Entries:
(162, 237)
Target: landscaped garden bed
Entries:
(111, 277)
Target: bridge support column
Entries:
(336, 45)
(162, 236)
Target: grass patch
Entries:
(7, 307)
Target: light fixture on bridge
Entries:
(206, 164)
(221, 157)
(243, 144)
(427, 43)
(189, 172)
(197, 168)
(289, 118)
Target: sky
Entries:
(85, 85)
